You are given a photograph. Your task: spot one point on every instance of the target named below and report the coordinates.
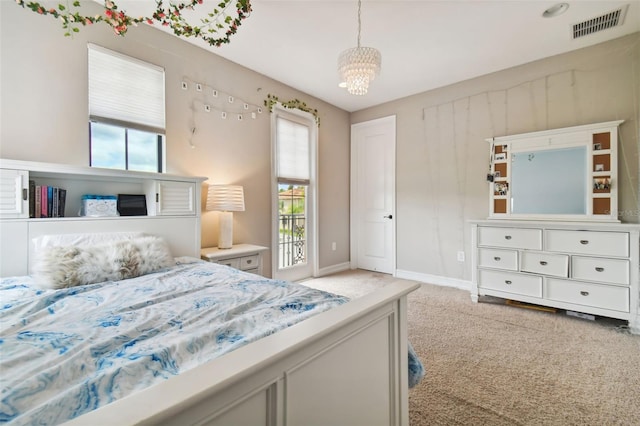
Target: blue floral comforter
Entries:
(66, 352)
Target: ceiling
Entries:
(424, 44)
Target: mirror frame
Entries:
(601, 142)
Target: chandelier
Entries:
(216, 29)
(358, 66)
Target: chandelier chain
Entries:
(359, 21)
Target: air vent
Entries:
(603, 22)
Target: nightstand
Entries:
(246, 257)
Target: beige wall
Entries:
(43, 117)
(442, 156)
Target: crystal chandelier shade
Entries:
(358, 66)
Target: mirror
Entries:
(560, 174)
(549, 181)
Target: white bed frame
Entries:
(346, 366)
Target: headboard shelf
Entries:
(173, 206)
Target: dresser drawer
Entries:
(556, 265)
(501, 259)
(249, 262)
(599, 243)
(586, 294)
(522, 238)
(510, 282)
(614, 271)
(234, 263)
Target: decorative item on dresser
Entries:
(246, 257)
(591, 269)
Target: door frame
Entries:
(354, 209)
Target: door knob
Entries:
(390, 216)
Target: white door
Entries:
(373, 156)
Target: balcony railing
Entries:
(292, 243)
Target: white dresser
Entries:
(585, 267)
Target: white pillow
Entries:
(68, 266)
(81, 240)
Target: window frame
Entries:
(294, 272)
(113, 116)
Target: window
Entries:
(294, 169)
(126, 112)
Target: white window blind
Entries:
(125, 91)
(292, 151)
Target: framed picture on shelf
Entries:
(599, 167)
(597, 147)
(496, 174)
(501, 157)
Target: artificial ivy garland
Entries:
(171, 16)
(294, 103)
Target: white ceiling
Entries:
(424, 44)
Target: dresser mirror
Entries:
(560, 174)
(534, 190)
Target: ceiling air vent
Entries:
(608, 20)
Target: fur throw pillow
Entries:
(68, 266)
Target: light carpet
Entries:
(492, 364)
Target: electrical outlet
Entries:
(460, 256)
(333, 246)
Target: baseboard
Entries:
(434, 279)
(333, 269)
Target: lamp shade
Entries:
(228, 198)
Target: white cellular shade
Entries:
(292, 151)
(125, 91)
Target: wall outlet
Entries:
(333, 246)
(460, 256)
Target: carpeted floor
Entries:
(493, 364)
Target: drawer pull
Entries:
(543, 262)
(507, 237)
(584, 242)
(249, 261)
(599, 269)
(497, 258)
(508, 282)
(584, 293)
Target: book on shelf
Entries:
(38, 197)
(44, 202)
(48, 201)
(32, 198)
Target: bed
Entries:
(192, 342)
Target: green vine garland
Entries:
(171, 16)
(294, 103)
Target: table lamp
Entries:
(226, 199)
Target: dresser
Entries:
(245, 257)
(584, 267)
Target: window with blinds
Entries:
(126, 111)
(293, 169)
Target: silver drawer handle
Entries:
(508, 282)
(599, 269)
(584, 242)
(497, 258)
(543, 263)
(507, 237)
(584, 293)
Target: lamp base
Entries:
(225, 235)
